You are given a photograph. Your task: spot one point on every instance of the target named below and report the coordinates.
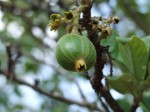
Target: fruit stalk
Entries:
(75, 24)
(76, 19)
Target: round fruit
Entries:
(75, 53)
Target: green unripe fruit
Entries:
(75, 53)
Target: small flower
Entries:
(68, 15)
(55, 21)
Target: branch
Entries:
(99, 65)
(52, 95)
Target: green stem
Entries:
(76, 19)
(75, 24)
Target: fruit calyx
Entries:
(80, 65)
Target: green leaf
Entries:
(145, 85)
(148, 73)
(131, 52)
(146, 102)
(144, 108)
(121, 66)
(109, 41)
(124, 104)
(123, 84)
(147, 42)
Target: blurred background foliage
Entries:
(24, 25)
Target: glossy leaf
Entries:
(133, 53)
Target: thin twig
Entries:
(86, 75)
(80, 90)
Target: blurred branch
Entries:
(137, 17)
(52, 95)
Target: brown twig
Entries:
(99, 65)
